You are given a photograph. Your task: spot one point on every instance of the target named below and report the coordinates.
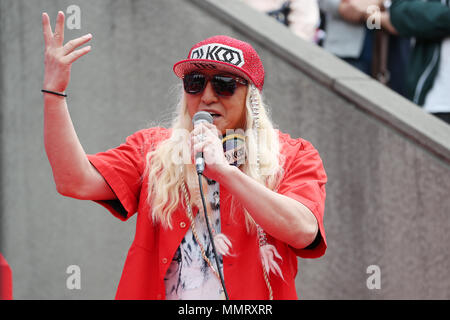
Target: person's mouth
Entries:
(214, 114)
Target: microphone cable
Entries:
(219, 271)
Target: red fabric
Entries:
(5, 280)
(154, 246)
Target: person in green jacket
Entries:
(428, 79)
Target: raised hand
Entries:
(58, 57)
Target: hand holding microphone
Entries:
(208, 151)
(200, 117)
(207, 146)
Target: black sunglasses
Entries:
(223, 85)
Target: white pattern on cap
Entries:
(219, 52)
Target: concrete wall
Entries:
(387, 161)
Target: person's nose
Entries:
(209, 95)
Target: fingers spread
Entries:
(75, 43)
(58, 37)
(47, 29)
(72, 57)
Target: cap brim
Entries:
(184, 67)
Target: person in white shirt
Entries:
(303, 18)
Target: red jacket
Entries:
(154, 246)
(6, 286)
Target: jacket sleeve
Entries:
(122, 168)
(305, 181)
(420, 19)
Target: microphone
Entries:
(199, 117)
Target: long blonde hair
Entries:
(169, 165)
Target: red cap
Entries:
(225, 54)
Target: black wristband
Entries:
(56, 93)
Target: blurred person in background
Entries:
(377, 52)
(300, 16)
(428, 77)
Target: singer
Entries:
(264, 191)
